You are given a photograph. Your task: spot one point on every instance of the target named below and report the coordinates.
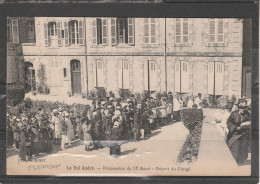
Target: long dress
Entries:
(70, 130)
(23, 152)
(86, 128)
(36, 147)
(115, 147)
(238, 139)
(45, 138)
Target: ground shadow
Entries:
(153, 134)
(126, 152)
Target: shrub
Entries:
(138, 97)
(101, 93)
(111, 94)
(15, 94)
(145, 95)
(42, 86)
(124, 93)
(91, 95)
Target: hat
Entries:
(55, 110)
(14, 117)
(60, 109)
(55, 113)
(117, 112)
(118, 107)
(125, 105)
(18, 119)
(67, 114)
(132, 95)
(43, 119)
(103, 103)
(94, 113)
(109, 106)
(128, 100)
(116, 124)
(138, 106)
(24, 118)
(111, 98)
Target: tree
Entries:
(42, 86)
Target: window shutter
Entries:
(46, 36)
(113, 32)
(81, 33)
(104, 31)
(15, 31)
(119, 73)
(131, 31)
(178, 31)
(95, 73)
(212, 31)
(94, 31)
(59, 34)
(153, 31)
(66, 33)
(220, 30)
(146, 30)
(185, 30)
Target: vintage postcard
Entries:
(126, 96)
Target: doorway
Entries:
(75, 77)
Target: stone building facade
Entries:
(188, 56)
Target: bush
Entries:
(101, 93)
(124, 93)
(42, 86)
(15, 94)
(111, 94)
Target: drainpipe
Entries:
(85, 39)
(165, 60)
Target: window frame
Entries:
(150, 24)
(216, 30)
(182, 21)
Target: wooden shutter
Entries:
(104, 31)
(95, 73)
(211, 78)
(46, 35)
(146, 30)
(94, 31)
(220, 31)
(153, 30)
(81, 33)
(66, 33)
(219, 77)
(185, 33)
(113, 31)
(131, 31)
(212, 30)
(59, 34)
(178, 31)
(15, 31)
(119, 73)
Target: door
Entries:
(248, 84)
(215, 78)
(100, 73)
(75, 77)
(30, 31)
(182, 80)
(153, 75)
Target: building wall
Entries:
(198, 54)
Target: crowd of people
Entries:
(108, 123)
(103, 123)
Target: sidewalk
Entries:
(215, 152)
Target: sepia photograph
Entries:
(128, 96)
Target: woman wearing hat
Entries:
(45, 137)
(86, 129)
(24, 143)
(239, 134)
(70, 128)
(115, 147)
(57, 127)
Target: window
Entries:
(216, 30)
(9, 31)
(99, 77)
(74, 32)
(30, 31)
(64, 72)
(122, 31)
(123, 74)
(182, 30)
(52, 34)
(149, 31)
(12, 31)
(99, 31)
